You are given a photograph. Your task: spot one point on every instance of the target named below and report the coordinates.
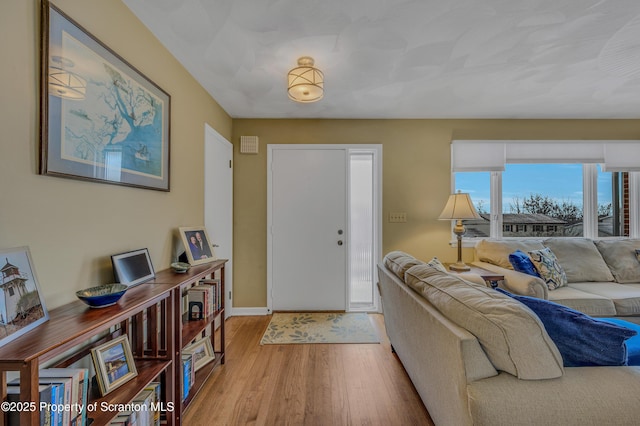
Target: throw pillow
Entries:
(638, 254)
(435, 263)
(548, 267)
(497, 252)
(522, 263)
(583, 341)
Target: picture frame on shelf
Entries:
(114, 364)
(201, 351)
(197, 244)
(22, 307)
(82, 82)
(133, 267)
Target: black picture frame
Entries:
(133, 267)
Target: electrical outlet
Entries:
(397, 217)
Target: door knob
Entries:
(339, 242)
(339, 231)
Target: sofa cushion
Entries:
(580, 259)
(583, 341)
(497, 252)
(511, 335)
(521, 262)
(585, 302)
(399, 262)
(548, 267)
(620, 256)
(625, 297)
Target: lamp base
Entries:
(459, 266)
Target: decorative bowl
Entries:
(102, 295)
(180, 267)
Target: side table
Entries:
(492, 279)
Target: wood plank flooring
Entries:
(316, 384)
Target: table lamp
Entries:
(458, 208)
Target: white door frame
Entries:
(211, 136)
(376, 149)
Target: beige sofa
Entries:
(463, 379)
(603, 275)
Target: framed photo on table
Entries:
(114, 364)
(22, 306)
(100, 118)
(197, 245)
(133, 267)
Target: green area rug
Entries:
(288, 328)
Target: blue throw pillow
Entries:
(581, 340)
(521, 262)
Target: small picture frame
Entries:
(201, 351)
(22, 306)
(133, 267)
(197, 244)
(114, 364)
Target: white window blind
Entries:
(491, 155)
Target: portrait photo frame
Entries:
(114, 364)
(132, 267)
(22, 307)
(201, 352)
(199, 251)
(101, 119)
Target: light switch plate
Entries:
(397, 217)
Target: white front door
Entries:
(218, 203)
(308, 218)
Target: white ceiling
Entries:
(410, 58)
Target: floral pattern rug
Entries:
(321, 327)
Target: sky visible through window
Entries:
(562, 182)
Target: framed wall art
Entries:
(197, 245)
(100, 118)
(22, 307)
(114, 364)
(133, 267)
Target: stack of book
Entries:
(206, 292)
(145, 410)
(59, 387)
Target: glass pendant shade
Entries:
(306, 83)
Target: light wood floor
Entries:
(317, 384)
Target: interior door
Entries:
(218, 203)
(307, 213)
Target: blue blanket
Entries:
(581, 339)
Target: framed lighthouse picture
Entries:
(22, 307)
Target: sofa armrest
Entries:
(517, 282)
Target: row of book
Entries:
(208, 295)
(188, 374)
(63, 397)
(144, 410)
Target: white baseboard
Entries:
(238, 312)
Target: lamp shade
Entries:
(305, 83)
(459, 206)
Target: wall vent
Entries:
(248, 144)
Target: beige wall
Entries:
(72, 227)
(416, 178)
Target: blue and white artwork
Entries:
(106, 121)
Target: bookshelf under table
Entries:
(150, 313)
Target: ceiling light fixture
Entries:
(64, 83)
(306, 83)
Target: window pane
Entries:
(613, 204)
(478, 186)
(542, 200)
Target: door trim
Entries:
(377, 149)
